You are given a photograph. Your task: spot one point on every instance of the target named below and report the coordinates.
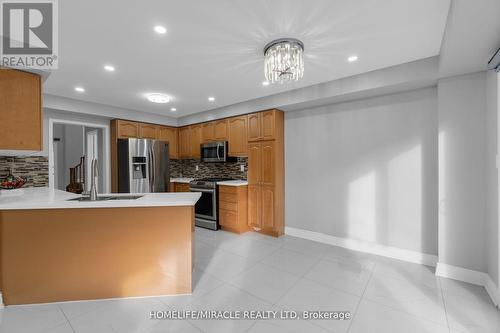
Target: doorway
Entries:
(73, 146)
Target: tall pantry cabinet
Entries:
(266, 186)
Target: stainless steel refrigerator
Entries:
(143, 166)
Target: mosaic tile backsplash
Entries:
(34, 168)
(187, 168)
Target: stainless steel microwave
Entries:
(217, 151)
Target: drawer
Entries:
(228, 189)
(228, 218)
(226, 205)
(227, 197)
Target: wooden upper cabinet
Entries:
(148, 131)
(237, 136)
(268, 123)
(220, 130)
(195, 138)
(184, 142)
(254, 163)
(170, 134)
(208, 132)
(254, 127)
(127, 129)
(20, 110)
(262, 125)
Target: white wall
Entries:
(366, 170)
(462, 171)
(492, 100)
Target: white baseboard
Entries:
(470, 276)
(364, 246)
(492, 290)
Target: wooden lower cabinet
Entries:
(233, 208)
(267, 207)
(254, 207)
(179, 187)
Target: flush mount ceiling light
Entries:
(79, 89)
(173, 109)
(352, 58)
(284, 60)
(158, 98)
(159, 29)
(109, 68)
(211, 99)
(265, 83)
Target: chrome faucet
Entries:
(94, 173)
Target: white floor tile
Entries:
(258, 272)
(124, 316)
(309, 295)
(265, 282)
(305, 246)
(31, 319)
(374, 317)
(406, 271)
(412, 297)
(253, 250)
(469, 308)
(290, 261)
(285, 326)
(228, 298)
(225, 265)
(173, 326)
(344, 275)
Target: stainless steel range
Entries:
(206, 209)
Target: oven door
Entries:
(206, 207)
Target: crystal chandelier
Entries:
(284, 60)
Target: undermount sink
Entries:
(110, 197)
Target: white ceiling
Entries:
(471, 37)
(214, 48)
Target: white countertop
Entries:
(233, 183)
(184, 180)
(45, 198)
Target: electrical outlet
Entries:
(242, 168)
(197, 168)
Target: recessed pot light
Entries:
(158, 98)
(109, 68)
(159, 29)
(211, 99)
(173, 109)
(265, 83)
(80, 89)
(352, 58)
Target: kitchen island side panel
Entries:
(55, 255)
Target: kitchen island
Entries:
(57, 249)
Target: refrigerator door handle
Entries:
(150, 169)
(153, 189)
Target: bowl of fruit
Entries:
(12, 182)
